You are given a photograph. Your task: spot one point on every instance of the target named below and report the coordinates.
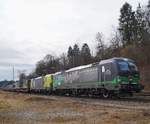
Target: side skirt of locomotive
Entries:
(101, 89)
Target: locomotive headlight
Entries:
(119, 80)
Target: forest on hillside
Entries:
(131, 39)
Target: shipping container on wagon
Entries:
(58, 80)
(16, 85)
(48, 81)
(39, 81)
(32, 86)
(25, 84)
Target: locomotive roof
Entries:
(101, 62)
(122, 58)
(57, 73)
(115, 59)
(79, 67)
(49, 75)
(38, 77)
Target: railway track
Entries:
(134, 103)
(118, 104)
(137, 102)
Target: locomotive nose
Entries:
(130, 78)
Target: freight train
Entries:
(115, 76)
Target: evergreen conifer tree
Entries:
(76, 56)
(85, 54)
(127, 24)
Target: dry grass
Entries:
(4, 104)
(31, 109)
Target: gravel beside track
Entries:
(139, 101)
(134, 103)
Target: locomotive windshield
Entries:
(123, 66)
(132, 66)
(126, 66)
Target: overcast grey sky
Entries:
(30, 29)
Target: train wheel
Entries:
(105, 94)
